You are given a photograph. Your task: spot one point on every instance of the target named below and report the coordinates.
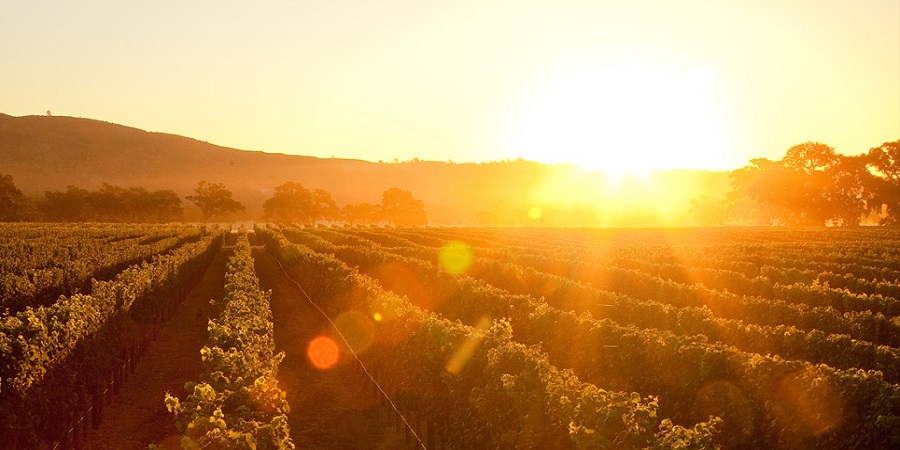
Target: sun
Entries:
(626, 117)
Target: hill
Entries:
(45, 153)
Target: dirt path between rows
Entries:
(137, 417)
(330, 409)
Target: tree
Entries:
(163, 206)
(360, 213)
(811, 185)
(400, 208)
(110, 204)
(848, 193)
(71, 205)
(810, 157)
(141, 205)
(291, 203)
(884, 164)
(324, 206)
(765, 193)
(12, 200)
(812, 164)
(214, 200)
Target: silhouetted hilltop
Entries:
(49, 153)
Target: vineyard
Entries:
(461, 338)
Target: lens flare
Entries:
(357, 328)
(384, 313)
(810, 402)
(535, 213)
(456, 257)
(724, 399)
(467, 349)
(323, 353)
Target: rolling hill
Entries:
(45, 153)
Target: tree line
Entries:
(107, 204)
(812, 186)
(291, 202)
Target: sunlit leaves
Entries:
(238, 404)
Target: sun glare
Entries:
(323, 352)
(626, 118)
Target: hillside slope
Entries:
(49, 153)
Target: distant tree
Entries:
(12, 201)
(110, 204)
(400, 208)
(764, 193)
(884, 164)
(140, 205)
(811, 165)
(214, 200)
(364, 213)
(811, 185)
(324, 207)
(290, 203)
(71, 205)
(810, 157)
(163, 206)
(848, 191)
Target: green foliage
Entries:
(663, 336)
(814, 185)
(400, 208)
(884, 161)
(214, 200)
(237, 404)
(111, 204)
(12, 201)
(52, 356)
(293, 203)
(505, 395)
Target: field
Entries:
(335, 337)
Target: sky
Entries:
(618, 85)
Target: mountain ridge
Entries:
(46, 153)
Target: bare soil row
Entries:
(329, 408)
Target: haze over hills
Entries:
(45, 153)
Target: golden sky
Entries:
(623, 85)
